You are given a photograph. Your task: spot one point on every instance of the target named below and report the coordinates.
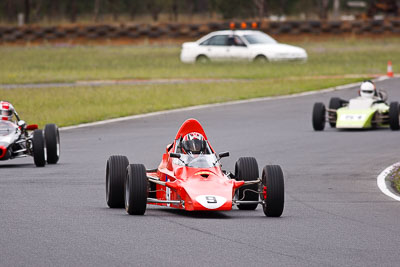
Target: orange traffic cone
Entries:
(389, 69)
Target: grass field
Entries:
(72, 105)
(59, 64)
(394, 177)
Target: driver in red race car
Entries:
(194, 143)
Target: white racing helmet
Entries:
(6, 111)
(368, 89)
(194, 143)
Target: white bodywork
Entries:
(251, 45)
(9, 133)
(360, 103)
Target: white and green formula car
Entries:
(357, 113)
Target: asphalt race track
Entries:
(334, 215)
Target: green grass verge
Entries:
(73, 105)
(63, 64)
(394, 177)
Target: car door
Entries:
(238, 50)
(216, 47)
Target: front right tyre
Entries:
(115, 180)
(334, 103)
(318, 116)
(136, 189)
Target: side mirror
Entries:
(175, 155)
(169, 147)
(223, 154)
(31, 127)
(21, 123)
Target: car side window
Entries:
(235, 41)
(219, 40)
(206, 42)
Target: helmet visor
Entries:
(195, 146)
(5, 112)
(367, 91)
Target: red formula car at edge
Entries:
(190, 177)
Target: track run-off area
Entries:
(164, 81)
(335, 215)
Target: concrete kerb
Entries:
(385, 185)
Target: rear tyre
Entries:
(52, 137)
(335, 103)
(394, 116)
(136, 189)
(318, 116)
(115, 180)
(202, 59)
(246, 169)
(272, 179)
(39, 148)
(260, 59)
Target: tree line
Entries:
(96, 10)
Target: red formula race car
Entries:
(190, 177)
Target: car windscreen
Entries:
(7, 128)
(197, 161)
(259, 38)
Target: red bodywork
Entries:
(3, 151)
(198, 188)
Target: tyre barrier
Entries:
(177, 30)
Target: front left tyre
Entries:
(52, 137)
(273, 190)
(394, 116)
(136, 189)
(115, 180)
(318, 116)
(39, 148)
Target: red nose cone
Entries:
(3, 151)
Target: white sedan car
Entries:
(239, 45)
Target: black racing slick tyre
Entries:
(115, 180)
(246, 169)
(335, 103)
(394, 116)
(318, 116)
(274, 190)
(39, 148)
(52, 137)
(136, 189)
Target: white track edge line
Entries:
(236, 102)
(381, 181)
